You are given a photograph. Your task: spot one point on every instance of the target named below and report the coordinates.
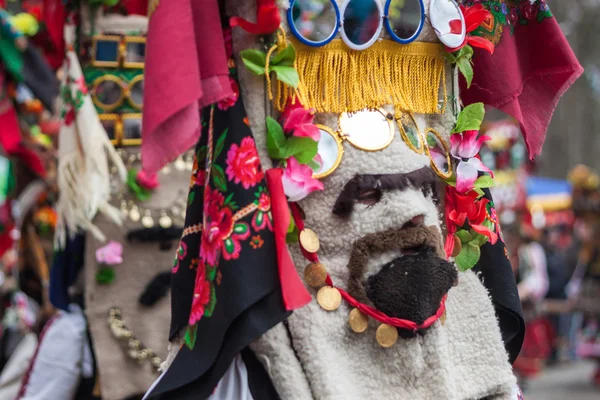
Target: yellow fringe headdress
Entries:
(335, 78)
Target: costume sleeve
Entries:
(531, 68)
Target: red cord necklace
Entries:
(363, 308)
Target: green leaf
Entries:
(479, 192)
(105, 275)
(287, 75)
(218, 178)
(470, 118)
(450, 57)
(220, 143)
(479, 239)
(254, 60)
(464, 236)
(275, 139)
(303, 148)
(466, 69)
(468, 257)
(285, 57)
(484, 181)
(315, 166)
(292, 233)
(139, 192)
(191, 197)
(190, 336)
(465, 52)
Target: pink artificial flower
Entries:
(147, 180)
(299, 121)
(111, 254)
(465, 147)
(298, 181)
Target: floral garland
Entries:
(471, 220)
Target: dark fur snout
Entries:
(411, 286)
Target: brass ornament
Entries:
(315, 275)
(165, 221)
(386, 335)
(132, 346)
(329, 298)
(147, 220)
(358, 321)
(134, 214)
(309, 240)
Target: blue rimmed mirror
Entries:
(314, 22)
(405, 19)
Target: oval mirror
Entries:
(409, 130)
(314, 22)
(330, 150)
(405, 19)
(367, 130)
(448, 22)
(108, 92)
(438, 154)
(361, 23)
(136, 92)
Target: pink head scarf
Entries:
(186, 70)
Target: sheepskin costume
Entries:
(316, 354)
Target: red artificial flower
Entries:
(201, 295)
(462, 209)
(219, 225)
(268, 19)
(474, 17)
(243, 164)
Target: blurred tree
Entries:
(573, 134)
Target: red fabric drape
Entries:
(525, 77)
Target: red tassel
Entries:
(293, 291)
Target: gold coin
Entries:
(309, 240)
(386, 335)
(329, 298)
(315, 275)
(443, 318)
(358, 321)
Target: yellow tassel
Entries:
(336, 79)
